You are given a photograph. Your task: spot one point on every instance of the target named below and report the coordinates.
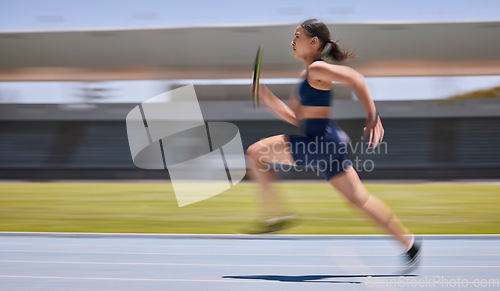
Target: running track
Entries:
(58, 261)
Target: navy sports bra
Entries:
(310, 96)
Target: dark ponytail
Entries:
(317, 28)
(338, 54)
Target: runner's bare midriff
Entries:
(309, 112)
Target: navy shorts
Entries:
(323, 147)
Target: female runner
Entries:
(310, 108)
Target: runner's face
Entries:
(302, 43)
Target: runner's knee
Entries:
(255, 150)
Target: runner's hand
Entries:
(374, 131)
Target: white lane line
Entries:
(166, 264)
(238, 254)
(223, 265)
(181, 254)
(234, 236)
(188, 280)
(133, 279)
(165, 253)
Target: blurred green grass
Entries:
(426, 208)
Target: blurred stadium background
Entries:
(64, 94)
(70, 73)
